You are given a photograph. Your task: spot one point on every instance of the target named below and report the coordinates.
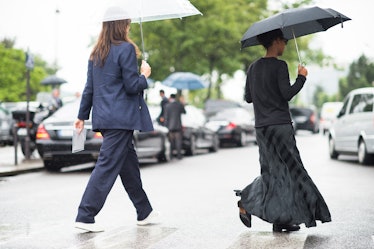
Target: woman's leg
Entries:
(131, 180)
(113, 154)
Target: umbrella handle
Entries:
(297, 48)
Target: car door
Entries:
(364, 121)
(340, 128)
(357, 121)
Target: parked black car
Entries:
(233, 125)
(196, 135)
(54, 139)
(305, 119)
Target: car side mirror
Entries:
(340, 114)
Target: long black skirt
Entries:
(284, 193)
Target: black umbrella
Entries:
(294, 23)
(53, 80)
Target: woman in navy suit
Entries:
(114, 93)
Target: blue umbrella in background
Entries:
(184, 80)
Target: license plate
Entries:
(22, 132)
(65, 133)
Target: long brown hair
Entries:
(112, 32)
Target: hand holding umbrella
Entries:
(145, 69)
(301, 70)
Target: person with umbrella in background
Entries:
(284, 194)
(114, 92)
(55, 102)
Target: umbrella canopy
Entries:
(294, 23)
(154, 10)
(140, 11)
(184, 80)
(53, 80)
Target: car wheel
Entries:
(333, 153)
(192, 149)
(215, 146)
(363, 156)
(243, 139)
(52, 166)
(165, 155)
(32, 147)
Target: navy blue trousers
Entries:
(117, 157)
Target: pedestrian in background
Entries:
(284, 194)
(173, 121)
(114, 92)
(55, 102)
(164, 101)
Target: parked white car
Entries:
(353, 131)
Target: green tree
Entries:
(13, 73)
(360, 74)
(320, 97)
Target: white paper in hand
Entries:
(78, 140)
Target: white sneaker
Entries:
(89, 227)
(152, 218)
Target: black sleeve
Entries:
(287, 90)
(247, 91)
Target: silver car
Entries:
(353, 131)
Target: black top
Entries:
(268, 88)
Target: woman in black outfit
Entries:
(283, 194)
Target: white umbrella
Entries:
(140, 11)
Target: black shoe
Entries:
(289, 228)
(244, 216)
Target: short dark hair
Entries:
(173, 96)
(266, 39)
(162, 91)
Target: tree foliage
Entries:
(361, 74)
(13, 73)
(320, 97)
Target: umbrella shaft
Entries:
(141, 34)
(297, 48)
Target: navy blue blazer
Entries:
(115, 92)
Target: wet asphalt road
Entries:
(197, 203)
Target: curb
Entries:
(24, 167)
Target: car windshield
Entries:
(232, 114)
(193, 117)
(68, 111)
(300, 111)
